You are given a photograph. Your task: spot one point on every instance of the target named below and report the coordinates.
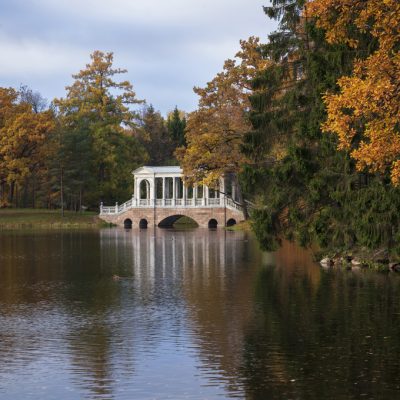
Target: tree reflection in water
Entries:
(200, 314)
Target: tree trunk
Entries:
(11, 193)
(16, 196)
(62, 191)
(33, 193)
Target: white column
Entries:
(152, 183)
(173, 190)
(184, 194)
(222, 189)
(163, 191)
(205, 190)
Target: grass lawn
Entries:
(37, 218)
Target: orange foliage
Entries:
(23, 134)
(215, 131)
(368, 103)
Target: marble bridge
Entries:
(160, 198)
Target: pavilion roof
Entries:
(158, 170)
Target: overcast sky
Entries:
(167, 46)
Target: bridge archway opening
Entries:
(128, 224)
(143, 223)
(231, 222)
(212, 223)
(144, 189)
(178, 222)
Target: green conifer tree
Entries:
(302, 186)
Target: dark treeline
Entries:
(80, 150)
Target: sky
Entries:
(167, 46)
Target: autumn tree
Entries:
(24, 131)
(97, 111)
(365, 112)
(215, 131)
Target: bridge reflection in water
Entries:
(155, 253)
(190, 314)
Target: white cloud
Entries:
(36, 57)
(153, 12)
(167, 46)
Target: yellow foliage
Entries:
(23, 134)
(365, 114)
(215, 131)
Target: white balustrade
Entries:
(213, 202)
(203, 202)
(160, 203)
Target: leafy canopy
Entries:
(215, 131)
(365, 113)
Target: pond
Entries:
(191, 314)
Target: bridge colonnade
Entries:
(164, 186)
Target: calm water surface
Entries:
(193, 315)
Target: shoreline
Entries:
(25, 218)
(378, 260)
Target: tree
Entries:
(24, 131)
(35, 99)
(365, 112)
(302, 186)
(96, 112)
(153, 135)
(296, 174)
(176, 124)
(215, 131)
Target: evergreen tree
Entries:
(155, 138)
(95, 118)
(302, 186)
(176, 128)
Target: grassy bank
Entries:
(47, 219)
(185, 222)
(241, 226)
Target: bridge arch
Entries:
(212, 223)
(144, 189)
(143, 223)
(169, 221)
(231, 222)
(128, 223)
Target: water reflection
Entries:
(189, 314)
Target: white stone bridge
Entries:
(160, 198)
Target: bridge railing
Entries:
(231, 203)
(184, 203)
(107, 210)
